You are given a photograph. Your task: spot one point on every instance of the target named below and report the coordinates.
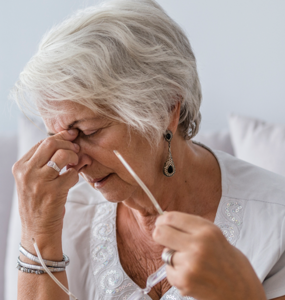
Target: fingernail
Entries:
(76, 146)
(72, 131)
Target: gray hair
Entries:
(125, 59)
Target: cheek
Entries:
(101, 153)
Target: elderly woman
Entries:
(123, 77)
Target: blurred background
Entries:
(239, 46)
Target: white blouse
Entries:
(251, 215)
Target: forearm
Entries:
(42, 194)
(42, 287)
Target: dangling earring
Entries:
(169, 168)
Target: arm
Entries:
(205, 265)
(42, 194)
(31, 286)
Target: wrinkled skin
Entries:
(205, 265)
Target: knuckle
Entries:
(157, 233)
(40, 142)
(21, 172)
(49, 143)
(28, 168)
(169, 217)
(210, 232)
(15, 168)
(63, 154)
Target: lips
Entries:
(97, 179)
(94, 180)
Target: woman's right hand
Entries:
(42, 191)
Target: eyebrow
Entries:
(71, 125)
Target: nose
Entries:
(84, 159)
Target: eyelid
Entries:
(90, 134)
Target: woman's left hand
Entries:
(205, 264)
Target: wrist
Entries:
(50, 245)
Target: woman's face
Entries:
(97, 138)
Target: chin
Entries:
(115, 196)
(112, 193)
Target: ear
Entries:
(174, 118)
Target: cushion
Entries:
(258, 142)
(217, 140)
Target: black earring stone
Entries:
(168, 136)
(169, 167)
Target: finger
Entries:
(178, 258)
(171, 237)
(68, 179)
(175, 278)
(181, 221)
(47, 149)
(172, 276)
(166, 250)
(182, 274)
(61, 158)
(68, 135)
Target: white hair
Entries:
(125, 59)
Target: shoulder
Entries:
(252, 215)
(242, 180)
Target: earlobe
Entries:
(175, 116)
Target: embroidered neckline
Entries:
(110, 279)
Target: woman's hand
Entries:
(42, 192)
(205, 265)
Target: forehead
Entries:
(72, 114)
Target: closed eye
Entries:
(88, 135)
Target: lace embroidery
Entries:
(102, 256)
(229, 218)
(110, 279)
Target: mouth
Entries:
(98, 182)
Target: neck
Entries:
(197, 175)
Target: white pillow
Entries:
(259, 142)
(217, 140)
